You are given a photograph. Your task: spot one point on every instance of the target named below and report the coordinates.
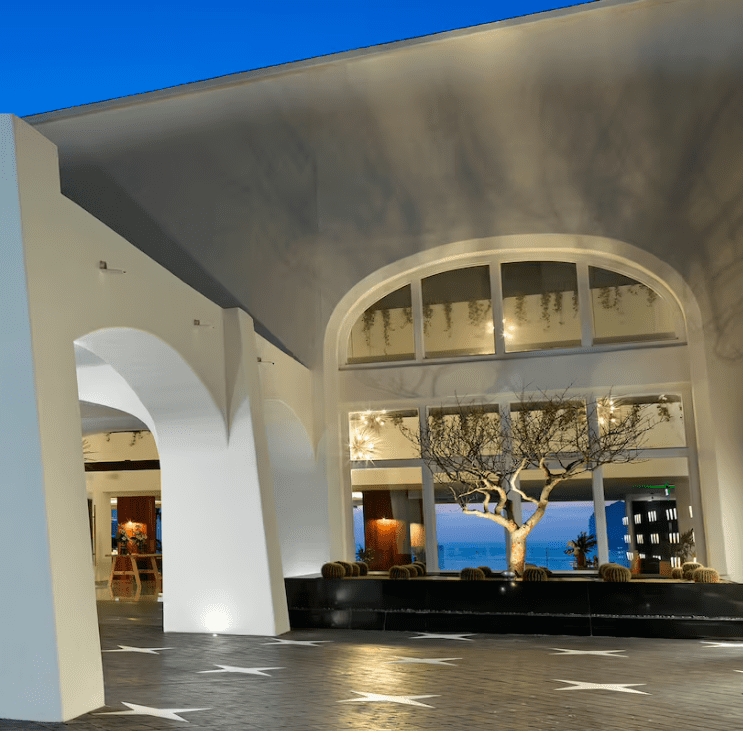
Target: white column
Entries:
(597, 484)
(102, 508)
(429, 521)
(599, 512)
(51, 669)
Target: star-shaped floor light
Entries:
(144, 650)
(723, 644)
(605, 653)
(422, 661)
(169, 713)
(246, 671)
(407, 700)
(305, 643)
(618, 687)
(432, 636)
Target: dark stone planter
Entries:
(590, 607)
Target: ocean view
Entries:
(456, 556)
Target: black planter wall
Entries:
(633, 609)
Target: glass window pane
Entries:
(385, 331)
(626, 310)
(569, 513)
(540, 305)
(665, 411)
(466, 423)
(374, 435)
(457, 313)
(555, 428)
(388, 516)
(466, 541)
(647, 516)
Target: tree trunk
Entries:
(518, 554)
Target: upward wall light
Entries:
(103, 266)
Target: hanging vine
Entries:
(520, 308)
(575, 302)
(447, 316)
(650, 295)
(407, 316)
(427, 317)
(545, 304)
(477, 311)
(367, 323)
(610, 298)
(557, 305)
(386, 326)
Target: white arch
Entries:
(174, 401)
(616, 255)
(209, 483)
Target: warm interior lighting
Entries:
(373, 420)
(509, 329)
(363, 444)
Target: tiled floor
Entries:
(378, 680)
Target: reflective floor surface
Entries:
(351, 679)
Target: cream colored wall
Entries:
(297, 466)
(284, 379)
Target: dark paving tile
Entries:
(502, 681)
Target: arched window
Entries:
(507, 307)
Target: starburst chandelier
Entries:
(363, 444)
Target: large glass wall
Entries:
(388, 501)
(512, 310)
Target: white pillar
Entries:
(102, 509)
(429, 520)
(49, 639)
(599, 513)
(597, 485)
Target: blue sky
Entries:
(62, 54)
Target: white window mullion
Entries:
(429, 505)
(496, 297)
(416, 293)
(585, 307)
(597, 484)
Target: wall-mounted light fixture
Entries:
(103, 266)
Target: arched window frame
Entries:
(494, 262)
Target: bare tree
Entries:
(478, 456)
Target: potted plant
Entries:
(580, 548)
